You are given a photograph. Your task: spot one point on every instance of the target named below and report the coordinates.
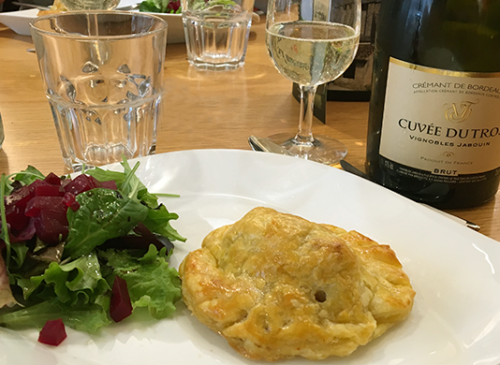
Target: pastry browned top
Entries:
(277, 286)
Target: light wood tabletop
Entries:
(201, 110)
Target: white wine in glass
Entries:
(312, 42)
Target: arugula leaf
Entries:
(29, 175)
(103, 214)
(130, 185)
(82, 318)
(157, 221)
(151, 282)
(106, 175)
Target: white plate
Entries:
(454, 270)
(19, 21)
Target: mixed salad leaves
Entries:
(174, 6)
(86, 251)
(161, 6)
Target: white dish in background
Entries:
(19, 21)
(454, 270)
(175, 32)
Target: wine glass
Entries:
(312, 42)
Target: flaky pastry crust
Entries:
(277, 286)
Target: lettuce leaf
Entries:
(83, 318)
(78, 282)
(151, 282)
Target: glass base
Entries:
(207, 66)
(323, 149)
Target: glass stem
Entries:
(307, 95)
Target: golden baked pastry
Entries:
(276, 286)
(56, 7)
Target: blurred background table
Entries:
(201, 110)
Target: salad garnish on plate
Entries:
(64, 243)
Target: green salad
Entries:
(86, 250)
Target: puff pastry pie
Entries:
(276, 286)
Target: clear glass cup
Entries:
(103, 77)
(312, 42)
(217, 32)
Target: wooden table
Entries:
(202, 110)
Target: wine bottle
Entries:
(434, 121)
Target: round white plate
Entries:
(454, 270)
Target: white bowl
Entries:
(175, 32)
(19, 22)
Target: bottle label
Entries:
(444, 123)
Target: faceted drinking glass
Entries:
(103, 78)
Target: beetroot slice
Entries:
(120, 306)
(49, 216)
(25, 234)
(111, 184)
(15, 217)
(43, 204)
(81, 183)
(48, 190)
(53, 179)
(53, 333)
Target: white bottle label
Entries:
(446, 123)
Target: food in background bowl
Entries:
(163, 6)
(56, 7)
(277, 286)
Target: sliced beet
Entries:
(174, 6)
(51, 226)
(120, 306)
(20, 197)
(16, 217)
(44, 203)
(75, 206)
(48, 190)
(109, 184)
(81, 183)
(25, 234)
(53, 333)
(49, 215)
(70, 201)
(53, 179)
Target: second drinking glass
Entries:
(312, 42)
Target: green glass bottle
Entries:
(434, 124)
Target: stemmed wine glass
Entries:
(312, 42)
